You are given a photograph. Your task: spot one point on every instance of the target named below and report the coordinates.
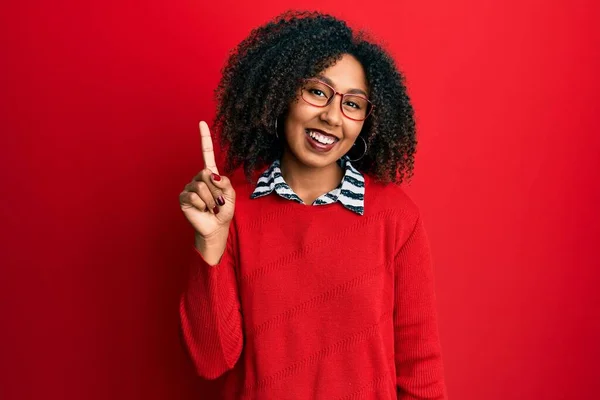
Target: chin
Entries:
(315, 160)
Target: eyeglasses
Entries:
(319, 94)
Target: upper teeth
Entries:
(321, 138)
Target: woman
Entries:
(311, 275)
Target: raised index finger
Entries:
(208, 153)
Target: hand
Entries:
(208, 201)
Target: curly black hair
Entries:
(263, 74)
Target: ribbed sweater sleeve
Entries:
(419, 368)
(210, 313)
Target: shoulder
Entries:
(396, 210)
(390, 198)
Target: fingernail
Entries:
(216, 210)
(216, 177)
(220, 201)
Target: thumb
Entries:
(223, 183)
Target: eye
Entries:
(352, 104)
(318, 92)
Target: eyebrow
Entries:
(351, 91)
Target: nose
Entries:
(332, 114)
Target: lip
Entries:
(319, 147)
(324, 133)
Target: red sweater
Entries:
(317, 302)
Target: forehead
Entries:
(346, 74)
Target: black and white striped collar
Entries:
(350, 192)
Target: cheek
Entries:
(351, 133)
(303, 112)
(300, 113)
(352, 130)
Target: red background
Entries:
(100, 104)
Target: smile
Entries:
(321, 137)
(319, 140)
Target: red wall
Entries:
(100, 103)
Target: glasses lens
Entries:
(356, 107)
(316, 93)
(319, 94)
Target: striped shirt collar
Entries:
(350, 192)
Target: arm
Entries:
(210, 312)
(210, 308)
(419, 369)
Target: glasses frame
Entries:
(335, 92)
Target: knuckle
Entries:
(183, 197)
(203, 176)
(203, 188)
(210, 202)
(197, 202)
(199, 186)
(198, 176)
(200, 205)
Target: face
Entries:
(319, 136)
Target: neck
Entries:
(309, 183)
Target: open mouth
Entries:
(321, 137)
